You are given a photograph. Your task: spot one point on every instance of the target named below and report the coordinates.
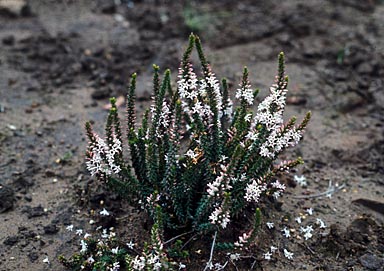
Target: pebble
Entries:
(9, 40)
(15, 8)
(51, 229)
(365, 68)
(7, 196)
(372, 262)
(11, 240)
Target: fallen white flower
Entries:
(288, 255)
(270, 225)
(300, 180)
(104, 212)
(115, 250)
(286, 232)
(130, 245)
(308, 235)
(267, 256)
(273, 249)
(321, 222)
(69, 228)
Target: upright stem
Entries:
(212, 249)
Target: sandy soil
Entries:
(61, 61)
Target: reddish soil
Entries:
(62, 60)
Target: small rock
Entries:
(372, 262)
(9, 40)
(33, 256)
(365, 68)
(49, 173)
(108, 7)
(14, 8)
(371, 204)
(32, 86)
(7, 196)
(11, 240)
(51, 229)
(340, 75)
(28, 198)
(101, 93)
(34, 211)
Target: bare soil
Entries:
(62, 60)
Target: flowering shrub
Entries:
(195, 163)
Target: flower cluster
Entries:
(194, 94)
(101, 157)
(270, 113)
(246, 93)
(254, 190)
(220, 216)
(243, 239)
(109, 254)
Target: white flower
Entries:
(115, 250)
(115, 267)
(223, 158)
(79, 232)
(182, 266)
(277, 185)
(234, 256)
(286, 232)
(245, 93)
(298, 219)
(46, 260)
(307, 232)
(276, 194)
(254, 190)
(138, 263)
(130, 245)
(288, 255)
(308, 235)
(273, 249)
(69, 228)
(219, 217)
(86, 235)
(252, 135)
(267, 255)
(104, 234)
(300, 180)
(84, 246)
(321, 223)
(248, 117)
(191, 154)
(270, 225)
(90, 260)
(242, 240)
(104, 212)
(98, 151)
(309, 211)
(218, 266)
(213, 187)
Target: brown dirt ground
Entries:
(59, 65)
